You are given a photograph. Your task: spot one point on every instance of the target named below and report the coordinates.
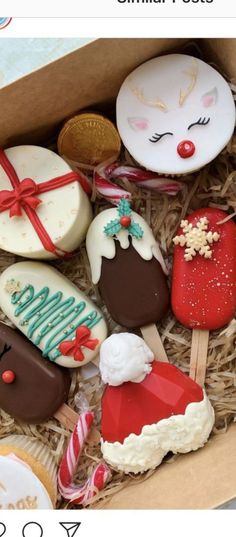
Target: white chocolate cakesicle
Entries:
(52, 312)
(175, 114)
(19, 486)
(65, 212)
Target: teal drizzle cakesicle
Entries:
(52, 313)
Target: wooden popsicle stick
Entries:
(67, 417)
(153, 340)
(198, 360)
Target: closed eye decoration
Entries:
(202, 122)
(157, 137)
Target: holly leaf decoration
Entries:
(124, 208)
(112, 228)
(135, 230)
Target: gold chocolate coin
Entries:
(89, 138)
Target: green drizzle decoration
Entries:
(51, 316)
(124, 221)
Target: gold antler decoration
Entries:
(141, 97)
(193, 72)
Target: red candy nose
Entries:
(8, 377)
(186, 149)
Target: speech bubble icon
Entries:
(32, 529)
(3, 529)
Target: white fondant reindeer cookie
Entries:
(175, 114)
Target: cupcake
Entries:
(27, 474)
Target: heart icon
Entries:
(3, 529)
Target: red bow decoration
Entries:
(82, 339)
(23, 197)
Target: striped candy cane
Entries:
(142, 178)
(79, 494)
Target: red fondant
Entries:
(186, 149)
(8, 377)
(204, 290)
(165, 392)
(23, 197)
(125, 221)
(82, 339)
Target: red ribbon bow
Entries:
(23, 197)
(82, 339)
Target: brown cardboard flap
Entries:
(33, 106)
(222, 52)
(201, 480)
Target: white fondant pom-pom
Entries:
(124, 357)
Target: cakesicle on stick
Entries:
(204, 279)
(127, 264)
(52, 312)
(148, 407)
(32, 389)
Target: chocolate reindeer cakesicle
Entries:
(32, 389)
(127, 264)
(204, 279)
(175, 114)
(52, 312)
(148, 407)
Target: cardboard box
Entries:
(32, 109)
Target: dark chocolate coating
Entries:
(134, 290)
(40, 387)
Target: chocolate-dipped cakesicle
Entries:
(32, 389)
(52, 312)
(127, 264)
(204, 279)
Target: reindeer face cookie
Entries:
(175, 114)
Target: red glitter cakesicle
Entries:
(204, 289)
(204, 271)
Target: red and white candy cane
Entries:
(80, 494)
(142, 178)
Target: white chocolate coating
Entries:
(39, 275)
(123, 358)
(19, 486)
(167, 95)
(64, 212)
(179, 434)
(99, 245)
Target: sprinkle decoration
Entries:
(196, 239)
(80, 494)
(82, 339)
(103, 176)
(124, 221)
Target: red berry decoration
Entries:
(125, 221)
(8, 377)
(186, 149)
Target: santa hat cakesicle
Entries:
(148, 408)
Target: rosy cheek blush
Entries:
(204, 279)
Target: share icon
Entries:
(70, 527)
